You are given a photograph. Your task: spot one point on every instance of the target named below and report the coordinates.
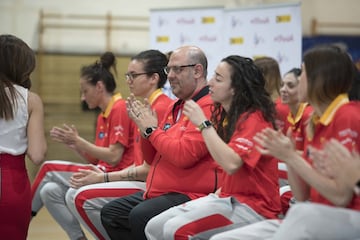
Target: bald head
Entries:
(187, 71)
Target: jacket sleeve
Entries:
(186, 149)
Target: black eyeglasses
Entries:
(132, 76)
(176, 69)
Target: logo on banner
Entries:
(282, 38)
(162, 21)
(258, 39)
(206, 38)
(236, 40)
(259, 56)
(259, 20)
(283, 18)
(184, 38)
(185, 21)
(162, 39)
(208, 20)
(235, 22)
(281, 57)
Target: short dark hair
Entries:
(154, 62)
(329, 72)
(100, 71)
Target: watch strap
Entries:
(204, 124)
(148, 131)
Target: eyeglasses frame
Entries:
(179, 68)
(132, 76)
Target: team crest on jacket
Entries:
(166, 126)
(101, 135)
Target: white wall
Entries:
(21, 18)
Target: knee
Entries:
(170, 228)
(301, 216)
(152, 228)
(216, 237)
(106, 215)
(136, 213)
(49, 191)
(302, 211)
(70, 197)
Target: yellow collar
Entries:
(328, 115)
(298, 115)
(154, 95)
(114, 98)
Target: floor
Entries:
(44, 227)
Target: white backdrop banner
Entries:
(170, 29)
(273, 31)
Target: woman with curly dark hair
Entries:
(250, 190)
(326, 78)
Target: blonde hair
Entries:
(271, 72)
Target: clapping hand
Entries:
(141, 113)
(66, 134)
(87, 176)
(193, 111)
(337, 162)
(275, 143)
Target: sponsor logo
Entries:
(244, 144)
(235, 22)
(208, 20)
(185, 21)
(259, 20)
(208, 38)
(282, 38)
(283, 18)
(258, 39)
(184, 38)
(281, 58)
(162, 21)
(236, 40)
(242, 147)
(348, 132)
(162, 39)
(119, 130)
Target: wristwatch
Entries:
(148, 131)
(357, 188)
(204, 124)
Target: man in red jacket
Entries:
(182, 168)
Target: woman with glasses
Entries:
(250, 191)
(145, 77)
(114, 147)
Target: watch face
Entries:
(148, 130)
(207, 123)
